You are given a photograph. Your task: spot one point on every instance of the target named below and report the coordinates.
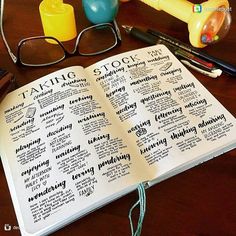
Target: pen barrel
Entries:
(144, 36)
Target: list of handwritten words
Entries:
(72, 132)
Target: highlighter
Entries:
(208, 22)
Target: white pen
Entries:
(213, 74)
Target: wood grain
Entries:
(200, 201)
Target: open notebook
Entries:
(79, 138)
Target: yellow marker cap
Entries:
(58, 19)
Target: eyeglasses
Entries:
(46, 50)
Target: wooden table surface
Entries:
(200, 201)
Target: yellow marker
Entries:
(58, 19)
(209, 19)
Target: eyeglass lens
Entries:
(40, 51)
(96, 40)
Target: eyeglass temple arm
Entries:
(117, 30)
(13, 57)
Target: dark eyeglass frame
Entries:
(16, 58)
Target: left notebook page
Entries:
(63, 156)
